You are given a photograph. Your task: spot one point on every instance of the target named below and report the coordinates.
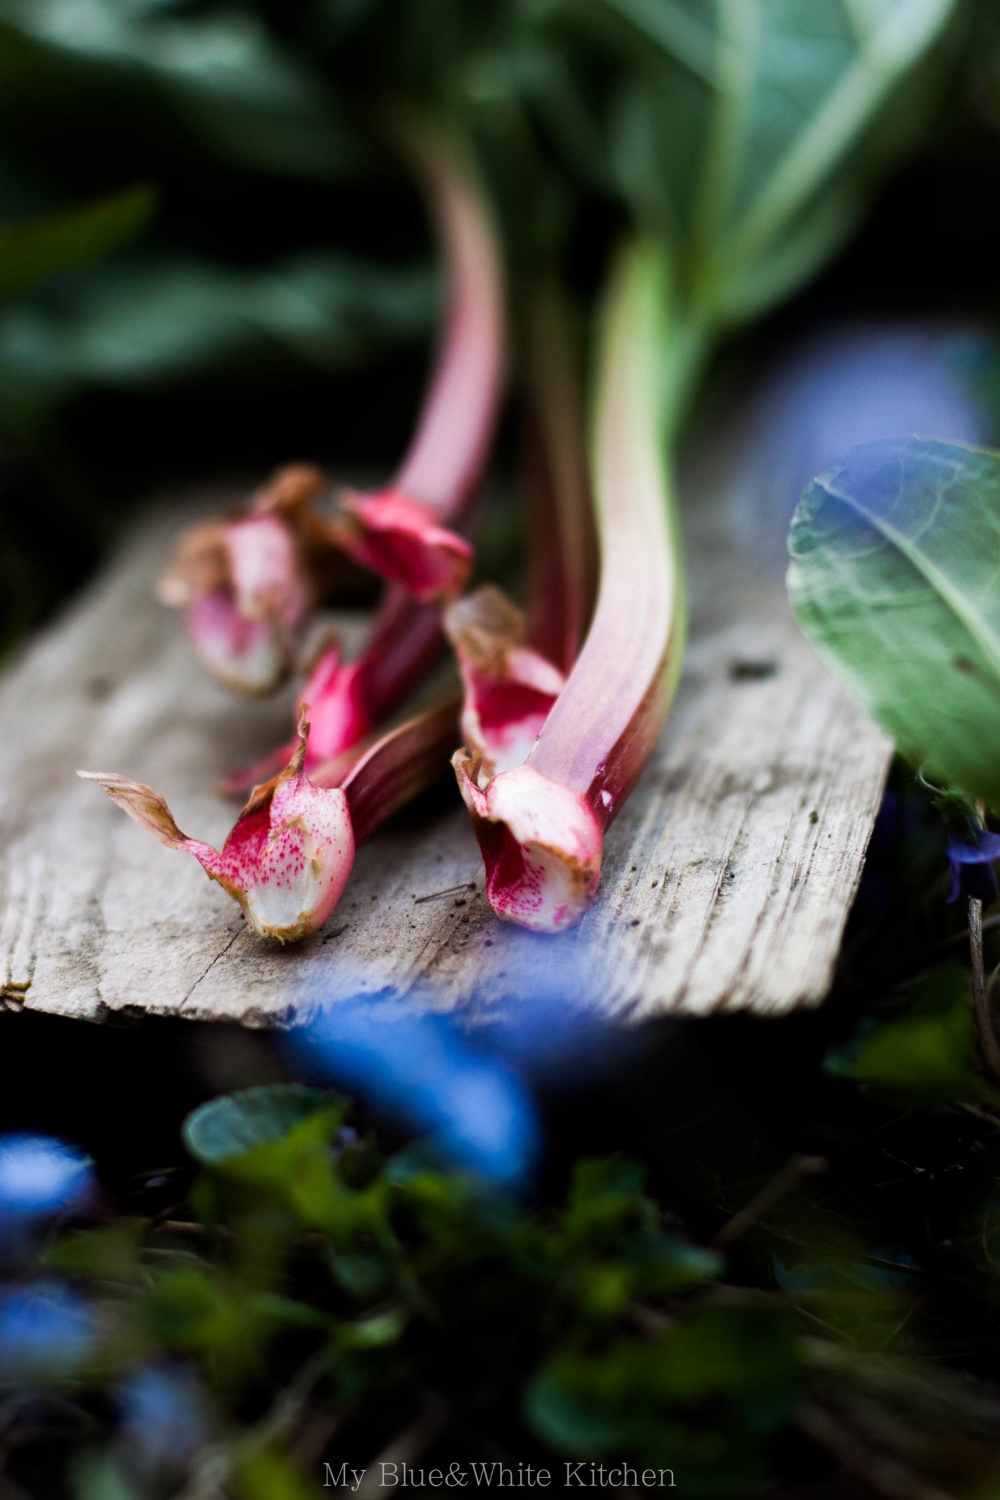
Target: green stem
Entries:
(893, 48)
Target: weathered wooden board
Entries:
(727, 877)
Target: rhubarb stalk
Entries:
(562, 551)
(400, 532)
(509, 687)
(508, 664)
(288, 856)
(247, 584)
(540, 825)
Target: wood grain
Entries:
(727, 877)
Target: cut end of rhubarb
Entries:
(244, 597)
(244, 584)
(338, 710)
(248, 655)
(264, 570)
(290, 853)
(288, 857)
(398, 538)
(540, 842)
(509, 688)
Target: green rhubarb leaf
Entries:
(895, 562)
(742, 129)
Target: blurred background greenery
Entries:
(211, 263)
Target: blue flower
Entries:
(421, 1067)
(46, 1332)
(40, 1176)
(842, 387)
(550, 1029)
(967, 859)
(163, 1417)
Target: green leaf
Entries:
(221, 1132)
(742, 130)
(277, 1137)
(265, 1474)
(747, 1354)
(663, 1264)
(160, 322)
(96, 1476)
(285, 1310)
(606, 1202)
(188, 1310)
(373, 1332)
(566, 1410)
(227, 79)
(604, 1289)
(895, 556)
(112, 1254)
(29, 252)
(923, 1057)
(703, 1397)
(678, 29)
(825, 68)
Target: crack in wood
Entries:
(221, 954)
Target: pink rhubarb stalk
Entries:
(562, 553)
(541, 825)
(510, 684)
(285, 861)
(509, 687)
(288, 857)
(345, 700)
(246, 585)
(400, 532)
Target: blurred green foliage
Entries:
(310, 1301)
(33, 250)
(765, 1259)
(921, 1056)
(399, 1274)
(288, 248)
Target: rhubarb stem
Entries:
(603, 726)
(288, 857)
(397, 531)
(540, 825)
(403, 763)
(563, 546)
(453, 433)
